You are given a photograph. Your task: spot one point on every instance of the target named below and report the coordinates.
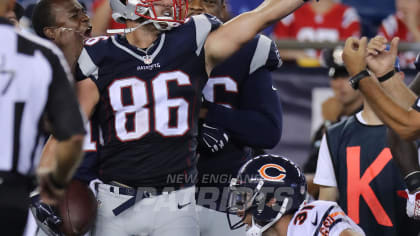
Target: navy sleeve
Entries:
(274, 60)
(258, 121)
(88, 169)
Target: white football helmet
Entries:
(123, 10)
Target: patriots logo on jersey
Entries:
(272, 172)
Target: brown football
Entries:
(77, 209)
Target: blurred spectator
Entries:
(371, 13)
(15, 15)
(345, 102)
(355, 167)
(325, 20)
(102, 18)
(405, 24)
(237, 7)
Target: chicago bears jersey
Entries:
(235, 85)
(149, 102)
(321, 218)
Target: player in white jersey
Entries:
(269, 194)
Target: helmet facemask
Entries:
(147, 12)
(267, 188)
(241, 200)
(176, 16)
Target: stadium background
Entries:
(301, 90)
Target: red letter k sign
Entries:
(357, 186)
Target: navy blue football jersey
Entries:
(149, 102)
(88, 168)
(249, 67)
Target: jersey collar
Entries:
(122, 43)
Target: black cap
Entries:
(331, 58)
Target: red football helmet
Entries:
(164, 14)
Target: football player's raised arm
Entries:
(229, 37)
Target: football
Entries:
(77, 209)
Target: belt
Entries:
(137, 194)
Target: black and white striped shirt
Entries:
(35, 82)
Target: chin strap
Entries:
(156, 23)
(127, 30)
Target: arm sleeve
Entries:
(62, 107)
(258, 122)
(324, 174)
(88, 169)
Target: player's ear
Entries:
(49, 32)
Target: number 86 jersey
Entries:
(149, 102)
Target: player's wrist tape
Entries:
(56, 184)
(387, 76)
(412, 181)
(354, 81)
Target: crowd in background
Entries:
(324, 21)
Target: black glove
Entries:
(46, 216)
(212, 138)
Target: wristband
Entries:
(354, 81)
(55, 183)
(387, 76)
(412, 181)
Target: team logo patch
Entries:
(272, 175)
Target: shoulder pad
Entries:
(203, 24)
(92, 55)
(266, 54)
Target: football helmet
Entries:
(123, 10)
(46, 216)
(267, 187)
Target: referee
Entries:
(35, 90)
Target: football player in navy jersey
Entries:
(146, 86)
(242, 103)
